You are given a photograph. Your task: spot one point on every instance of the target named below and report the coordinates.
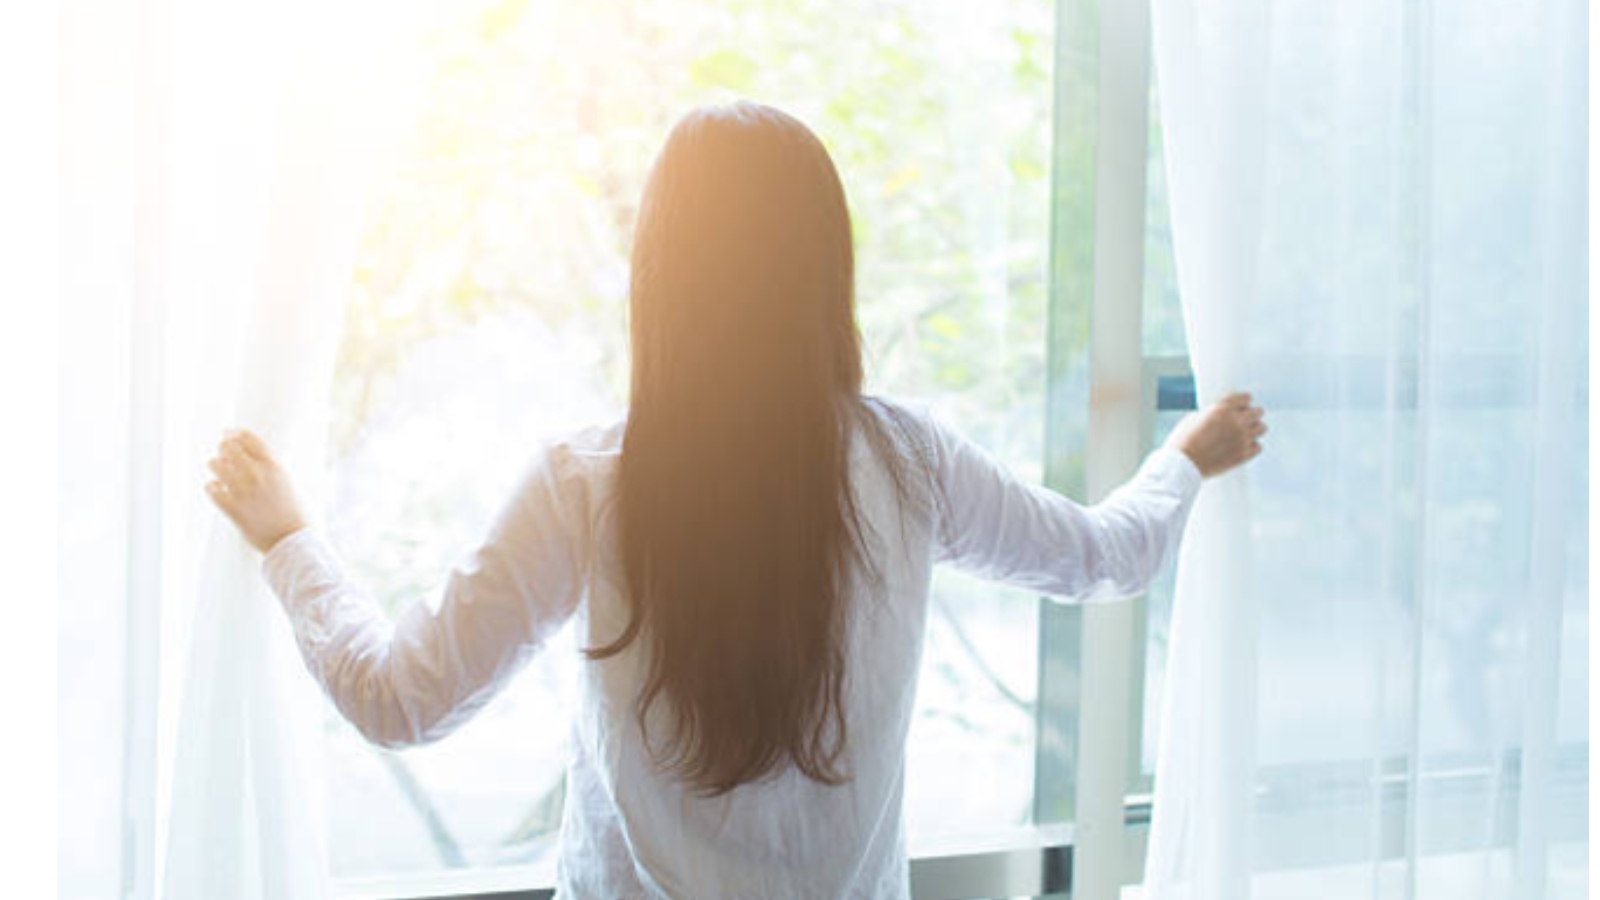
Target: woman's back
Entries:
(629, 831)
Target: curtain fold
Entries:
(1377, 671)
(1212, 112)
(274, 122)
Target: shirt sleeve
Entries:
(1001, 528)
(416, 679)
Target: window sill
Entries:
(1026, 862)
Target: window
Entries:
(488, 312)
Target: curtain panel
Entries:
(219, 159)
(1377, 675)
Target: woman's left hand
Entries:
(253, 490)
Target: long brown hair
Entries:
(738, 525)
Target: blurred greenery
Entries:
(541, 124)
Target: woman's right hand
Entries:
(1226, 435)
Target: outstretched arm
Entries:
(416, 679)
(1007, 530)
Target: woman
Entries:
(747, 556)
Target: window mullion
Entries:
(1071, 286)
(1112, 634)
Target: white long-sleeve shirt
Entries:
(628, 830)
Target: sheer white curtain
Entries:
(1377, 680)
(218, 159)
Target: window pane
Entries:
(488, 308)
(1162, 313)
